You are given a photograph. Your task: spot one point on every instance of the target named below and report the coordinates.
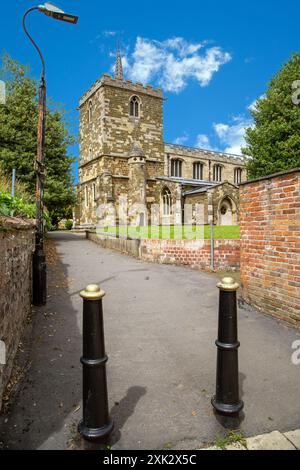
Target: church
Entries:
(127, 174)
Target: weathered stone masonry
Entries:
(122, 154)
(16, 248)
(270, 244)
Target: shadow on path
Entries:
(120, 413)
(51, 390)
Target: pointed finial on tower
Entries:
(119, 67)
(136, 150)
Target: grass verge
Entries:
(174, 232)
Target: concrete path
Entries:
(161, 325)
(272, 441)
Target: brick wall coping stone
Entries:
(268, 177)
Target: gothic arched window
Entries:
(134, 107)
(198, 171)
(238, 175)
(217, 176)
(176, 168)
(167, 201)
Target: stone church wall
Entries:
(112, 131)
(189, 156)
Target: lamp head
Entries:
(54, 12)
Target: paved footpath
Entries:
(161, 325)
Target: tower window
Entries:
(238, 175)
(176, 168)
(198, 171)
(167, 201)
(94, 192)
(90, 112)
(86, 196)
(134, 107)
(217, 173)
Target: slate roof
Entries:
(186, 182)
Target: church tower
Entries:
(118, 116)
(137, 201)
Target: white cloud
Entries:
(253, 105)
(232, 136)
(182, 139)
(180, 45)
(173, 62)
(203, 142)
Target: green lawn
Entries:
(177, 232)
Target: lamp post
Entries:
(39, 260)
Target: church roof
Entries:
(184, 150)
(204, 189)
(188, 182)
(199, 186)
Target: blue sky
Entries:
(213, 59)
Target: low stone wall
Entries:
(193, 253)
(127, 246)
(16, 247)
(270, 244)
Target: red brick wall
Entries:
(193, 253)
(270, 245)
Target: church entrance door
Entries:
(226, 216)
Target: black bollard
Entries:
(39, 278)
(227, 400)
(96, 422)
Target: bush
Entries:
(16, 207)
(69, 224)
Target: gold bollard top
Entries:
(228, 284)
(92, 292)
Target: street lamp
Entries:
(39, 260)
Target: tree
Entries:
(273, 143)
(18, 136)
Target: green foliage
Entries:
(69, 224)
(273, 143)
(18, 136)
(232, 437)
(16, 207)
